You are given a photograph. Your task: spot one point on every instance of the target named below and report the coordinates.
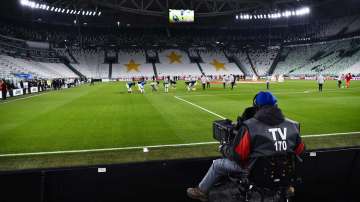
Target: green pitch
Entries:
(106, 116)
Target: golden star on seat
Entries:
(218, 65)
(132, 66)
(173, 57)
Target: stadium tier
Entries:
(216, 63)
(132, 64)
(244, 61)
(91, 63)
(175, 62)
(329, 58)
(262, 60)
(11, 66)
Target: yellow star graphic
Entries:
(173, 57)
(218, 65)
(132, 66)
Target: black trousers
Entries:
(339, 84)
(3, 94)
(208, 85)
(320, 87)
(203, 85)
(232, 85)
(267, 85)
(224, 84)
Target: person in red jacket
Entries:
(3, 89)
(348, 78)
(266, 132)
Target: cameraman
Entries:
(262, 131)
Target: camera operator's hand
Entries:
(221, 149)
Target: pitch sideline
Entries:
(202, 108)
(152, 146)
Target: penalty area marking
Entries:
(151, 146)
(202, 108)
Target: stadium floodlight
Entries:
(78, 12)
(83, 13)
(47, 8)
(52, 8)
(94, 13)
(99, 13)
(67, 11)
(24, 2)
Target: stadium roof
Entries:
(154, 12)
(203, 8)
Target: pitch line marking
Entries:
(151, 146)
(274, 92)
(330, 134)
(202, 108)
(24, 98)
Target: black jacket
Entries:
(239, 149)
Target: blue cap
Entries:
(265, 98)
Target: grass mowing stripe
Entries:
(202, 108)
(152, 146)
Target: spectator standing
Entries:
(3, 88)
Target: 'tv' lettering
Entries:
(282, 133)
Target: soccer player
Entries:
(154, 85)
(129, 86)
(320, 81)
(208, 79)
(166, 83)
(232, 81)
(224, 81)
(340, 78)
(141, 86)
(173, 82)
(268, 82)
(192, 83)
(203, 81)
(348, 78)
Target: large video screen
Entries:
(180, 16)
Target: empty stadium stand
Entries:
(132, 64)
(175, 62)
(216, 63)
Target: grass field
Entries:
(106, 116)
